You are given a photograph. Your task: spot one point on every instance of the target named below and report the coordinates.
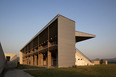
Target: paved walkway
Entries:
(16, 73)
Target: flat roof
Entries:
(80, 36)
(83, 34)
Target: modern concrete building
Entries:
(2, 60)
(7, 60)
(11, 59)
(97, 62)
(54, 45)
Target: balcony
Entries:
(41, 49)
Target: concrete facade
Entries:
(81, 59)
(66, 42)
(12, 62)
(97, 62)
(54, 45)
(2, 59)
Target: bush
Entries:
(101, 61)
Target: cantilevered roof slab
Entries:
(81, 36)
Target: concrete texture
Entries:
(2, 59)
(59, 38)
(13, 60)
(21, 58)
(81, 59)
(16, 73)
(66, 42)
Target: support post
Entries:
(31, 60)
(41, 59)
(35, 59)
(49, 58)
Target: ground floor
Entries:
(42, 59)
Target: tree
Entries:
(101, 61)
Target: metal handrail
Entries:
(44, 47)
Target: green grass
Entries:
(26, 67)
(86, 71)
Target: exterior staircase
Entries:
(81, 59)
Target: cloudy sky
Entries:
(20, 20)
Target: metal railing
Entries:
(42, 48)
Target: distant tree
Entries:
(101, 61)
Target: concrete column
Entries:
(41, 59)
(49, 58)
(49, 44)
(21, 57)
(35, 57)
(31, 60)
(106, 62)
(28, 60)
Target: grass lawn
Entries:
(85, 71)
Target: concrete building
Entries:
(97, 62)
(2, 60)
(54, 45)
(11, 59)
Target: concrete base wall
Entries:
(66, 42)
(13, 60)
(81, 60)
(2, 59)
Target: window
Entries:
(8, 58)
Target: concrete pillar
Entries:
(49, 44)
(39, 61)
(31, 60)
(35, 57)
(28, 60)
(49, 58)
(21, 57)
(106, 62)
(41, 57)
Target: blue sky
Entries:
(20, 20)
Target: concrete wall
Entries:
(2, 59)
(13, 60)
(21, 57)
(66, 42)
(96, 62)
(81, 60)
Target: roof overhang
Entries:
(81, 36)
